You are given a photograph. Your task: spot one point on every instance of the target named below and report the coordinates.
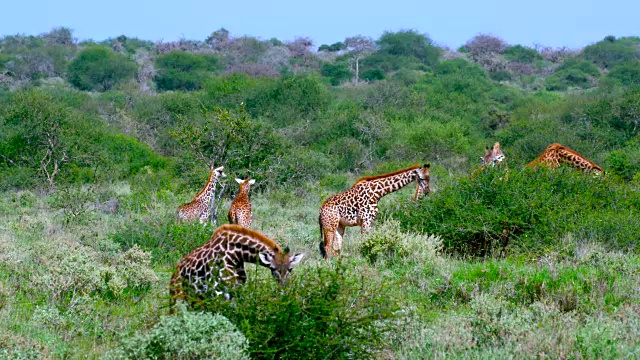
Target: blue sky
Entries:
(572, 23)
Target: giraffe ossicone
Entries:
(219, 262)
(358, 206)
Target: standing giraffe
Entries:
(240, 210)
(358, 206)
(555, 155)
(200, 206)
(230, 247)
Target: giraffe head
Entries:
(423, 176)
(245, 184)
(280, 263)
(218, 172)
(495, 157)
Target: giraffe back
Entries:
(240, 209)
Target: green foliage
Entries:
(289, 100)
(337, 73)
(521, 54)
(471, 215)
(180, 70)
(609, 53)
(564, 79)
(99, 69)
(328, 311)
(626, 73)
(409, 43)
(186, 336)
(387, 242)
(335, 47)
(372, 75)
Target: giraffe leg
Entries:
(337, 243)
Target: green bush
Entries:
(610, 52)
(187, 335)
(180, 70)
(535, 207)
(99, 69)
(521, 54)
(337, 73)
(386, 241)
(626, 73)
(329, 311)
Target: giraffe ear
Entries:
(265, 258)
(295, 259)
(427, 165)
(252, 181)
(239, 181)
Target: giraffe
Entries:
(200, 206)
(240, 210)
(228, 249)
(495, 156)
(555, 155)
(358, 206)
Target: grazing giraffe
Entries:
(555, 155)
(200, 206)
(240, 210)
(495, 156)
(230, 247)
(358, 206)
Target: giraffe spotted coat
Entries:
(358, 206)
(200, 206)
(220, 261)
(555, 155)
(240, 209)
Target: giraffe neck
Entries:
(386, 185)
(209, 189)
(244, 191)
(243, 245)
(577, 161)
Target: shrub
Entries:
(180, 70)
(337, 73)
(534, 207)
(387, 242)
(626, 73)
(608, 54)
(186, 336)
(409, 44)
(484, 44)
(329, 311)
(521, 54)
(99, 69)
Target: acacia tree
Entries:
(358, 47)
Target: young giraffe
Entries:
(555, 155)
(230, 247)
(495, 157)
(240, 210)
(358, 206)
(199, 207)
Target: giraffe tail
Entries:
(321, 244)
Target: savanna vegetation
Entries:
(101, 141)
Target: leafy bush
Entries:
(521, 54)
(180, 70)
(564, 79)
(337, 73)
(626, 73)
(609, 52)
(186, 336)
(99, 69)
(534, 207)
(409, 44)
(387, 242)
(328, 311)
